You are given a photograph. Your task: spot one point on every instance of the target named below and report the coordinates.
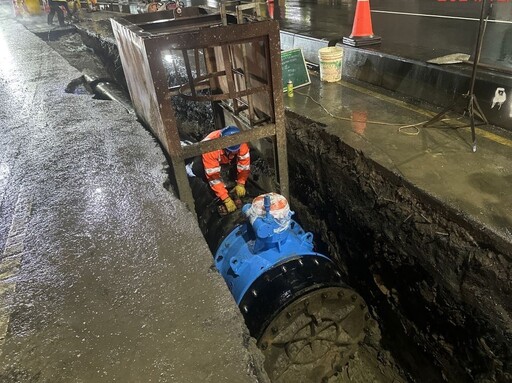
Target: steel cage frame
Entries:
(141, 40)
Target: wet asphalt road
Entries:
(104, 275)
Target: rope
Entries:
(410, 129)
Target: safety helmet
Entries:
(229, 131)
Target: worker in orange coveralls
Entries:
(212, 162)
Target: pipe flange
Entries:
(315, 336)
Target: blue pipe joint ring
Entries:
(251, 249)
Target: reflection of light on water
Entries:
(168, 58)
(97, 199)
(97, 205)
(6, 63)
(98, 195)
(4, 175)
(358, 123)
(298, 14)
(4, 171)
(331, 2)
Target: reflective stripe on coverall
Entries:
(212, 162)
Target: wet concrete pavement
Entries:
(104, 273)
(438, 159)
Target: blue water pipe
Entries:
(251, 249)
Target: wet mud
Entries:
(437, 285)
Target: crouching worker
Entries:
(210, 165)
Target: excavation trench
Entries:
(437, 284)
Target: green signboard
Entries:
(294, 68)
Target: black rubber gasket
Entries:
(281, 285)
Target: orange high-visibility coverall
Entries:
(212, 162)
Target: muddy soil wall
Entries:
(439, 284)
(99, 37)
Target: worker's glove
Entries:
(240, 190)
(230, 205)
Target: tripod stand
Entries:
(472, 108)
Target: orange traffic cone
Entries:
(362, 31)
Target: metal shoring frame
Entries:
(276, 104)
(247, 78)
(140, 51)
(277, 129)
(472, 107)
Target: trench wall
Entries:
(438, 283)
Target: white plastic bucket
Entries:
(330, 59)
